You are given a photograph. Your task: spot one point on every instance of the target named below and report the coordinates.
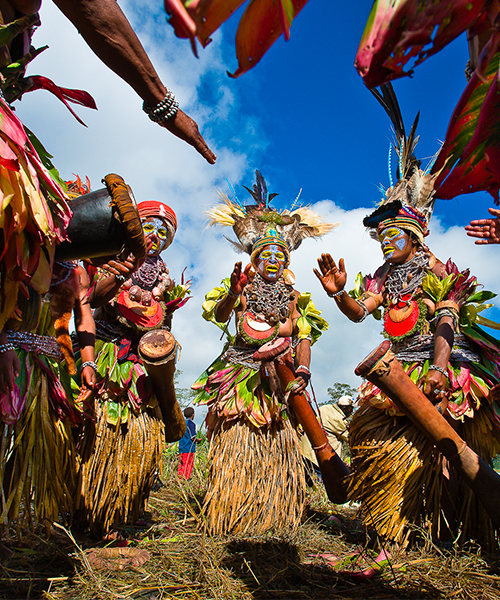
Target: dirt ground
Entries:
(331, 555)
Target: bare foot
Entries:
(116, 559)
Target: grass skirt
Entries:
(118, 465)
(398, 477)
(37, 451)
(256, 480)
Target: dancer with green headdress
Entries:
(256, 481)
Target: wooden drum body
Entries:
(158, 351)
(333, 470)
(383, 370)
(103, 223)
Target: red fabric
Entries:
(186, 465)
(153, 208)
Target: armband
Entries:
(365, 312)
(375, 297)
(440, 369)
(447, 304)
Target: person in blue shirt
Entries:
(187, 445)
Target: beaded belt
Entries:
(241, 355)
(31, 342)
(421, 348)
(111, 333)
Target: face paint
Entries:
(392, 239)
(271, 262)
(155, 230)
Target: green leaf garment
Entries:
(120, 452)
(398, 474)
(37, 451)
(256, 480)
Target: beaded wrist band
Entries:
(336, 294)
(365, 312)
(7, 347)
(120, 278)
(303, 368)
(440, 369)
(231, 294)
(89, 363)
(164, 110)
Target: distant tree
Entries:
(184, 396)
(340, 389)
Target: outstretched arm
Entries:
(109, 34)
(333, 280)
(487, 230)
(85, 329)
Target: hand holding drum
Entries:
(332, 468)
(383, 370)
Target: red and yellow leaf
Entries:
(470, 157)
(260, 26)
(398, 31)
(210, 16)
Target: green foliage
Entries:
(310, 323)
(338, 390)
(185, 396)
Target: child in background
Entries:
(187, 445)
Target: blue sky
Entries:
(326, 133)
(302, 117)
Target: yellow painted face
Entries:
(393, 241)
(156, 230)
(271, 262)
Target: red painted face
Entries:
(271, 262)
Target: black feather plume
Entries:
(259, 191)
(386, 211)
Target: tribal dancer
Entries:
(121, 451)
(256, 480)
(431, 314)
(37, 453)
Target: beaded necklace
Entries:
(271, 299)
(405, 279)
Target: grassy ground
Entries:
(186, 563)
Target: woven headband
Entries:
(267, 241)
(153, 208)
(409, 219)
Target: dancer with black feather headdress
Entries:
(431, 314)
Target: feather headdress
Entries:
(252, 222)
(410, 202)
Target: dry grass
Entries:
(186, 563)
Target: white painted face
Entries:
(396, 244)
(155, 230)
(271, 262)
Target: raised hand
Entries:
(332, 278)
(487, 230)
(238, 279)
